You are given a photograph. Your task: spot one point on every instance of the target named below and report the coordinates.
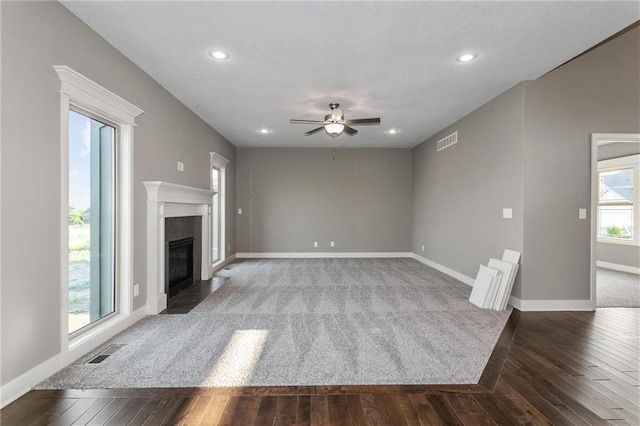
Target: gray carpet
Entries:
(306, 322)
(617, 289)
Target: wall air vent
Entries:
(448, 141)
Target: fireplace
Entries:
(179, 265)
(175, 212)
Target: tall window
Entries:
(96, 136)
(215, 216)
(92, 264)
(618, 216)
(218, 173)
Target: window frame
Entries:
(80, 93)
(75, 334)
(613, 164)
(219, 163)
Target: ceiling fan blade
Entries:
(311, 132)
(294, 121)
(361, 121)
(350, 130)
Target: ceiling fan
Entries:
(334, 123)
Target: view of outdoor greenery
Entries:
(79, 270)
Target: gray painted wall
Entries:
(293, 197)
(512, 153)
(596, 93)
(36, 36)
(618, 253)
(459, 192)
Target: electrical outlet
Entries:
(582, 213)
(136, 290)
(507, 213)
(315, 244)
(239, 211)
(333, 244)
(423, 247)
(180, 166)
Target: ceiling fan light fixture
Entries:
(393, 131)
(264, 131)
(334, 129)
(220, 55)
(467, 57)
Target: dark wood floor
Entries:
(548, 368)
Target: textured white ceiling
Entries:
(394, 60)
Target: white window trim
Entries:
(633, 162)
(220, 163)
(77, 90)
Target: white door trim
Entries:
(596, 140)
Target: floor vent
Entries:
(448, 141)
(110, 350)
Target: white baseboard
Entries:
(455, 274)
(618, 267)
(13, 390)
(551, 305)
(23, 383)
(318, 255)
(220, 265)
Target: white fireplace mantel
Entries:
(171, 200)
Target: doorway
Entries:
(615, 221)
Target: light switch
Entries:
(507, 213)
(582, 213)
(315, 244)
(333, 244)
(181, 166)
(239, 211)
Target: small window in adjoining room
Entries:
(617, 220)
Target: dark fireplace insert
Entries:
(179, 265)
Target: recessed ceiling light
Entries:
(264, 131)
(219, 54)
(466, 57)
(393, 131)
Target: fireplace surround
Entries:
(168, 200)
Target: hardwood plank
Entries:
(127, 412)
(266, 411)
(286, 410)
(425, 412)
(229, 411)
(92, 411)
(151, 406)
(408, 411)
(52, 411)
(182, 411)
(73, 413)
(372, 414)
(214, 410)
(108, 411)
(496, 409)
(319, 410)
(338, 406)
(163, 411)
(468, 410)
(303, 416)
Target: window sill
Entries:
(618, 242)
